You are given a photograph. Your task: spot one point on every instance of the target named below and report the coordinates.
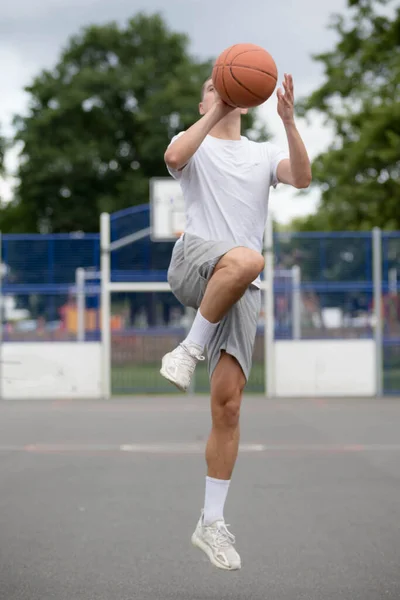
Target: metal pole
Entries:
(129, 239)
(393, 281)
(377, 284)
(296, 302)
(105, 304)
(80, 303)
(269, 354)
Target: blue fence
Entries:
(336, 284)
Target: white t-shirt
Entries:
(226, 187)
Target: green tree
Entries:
(359, 174)
(3, 150)
(99, 123)
(3, 146)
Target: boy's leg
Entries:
(226, 282)
(230, 370)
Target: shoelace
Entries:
(223, 537)
(187, 357)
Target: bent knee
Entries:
(231, 413)
(246, 264)
(227, 385)
(226, 403)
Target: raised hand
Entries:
(286, 100)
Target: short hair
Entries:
(203, 87)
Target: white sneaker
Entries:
(217, 542)
(178, 366)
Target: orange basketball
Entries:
(245, 75)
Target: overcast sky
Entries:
(33, 33)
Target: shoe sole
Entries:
(196, 541)
(164, 373)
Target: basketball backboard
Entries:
(167, 209)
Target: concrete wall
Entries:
(50, 370)
(325, 368)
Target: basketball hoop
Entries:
(167, 209)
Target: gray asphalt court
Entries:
(99, 500)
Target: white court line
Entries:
(187, 448)
(184, 448)
(254, 448)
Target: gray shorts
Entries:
(192, 264)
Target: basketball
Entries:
(245, 75)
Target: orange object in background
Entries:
(92, 319)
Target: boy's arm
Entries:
(182, 149)
(296, 170)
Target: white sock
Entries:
(216, 493)
(201, 331)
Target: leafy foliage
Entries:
(359, 174)
(100, 121)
